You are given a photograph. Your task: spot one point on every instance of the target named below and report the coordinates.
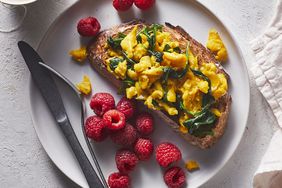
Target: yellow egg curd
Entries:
(192, 165)
(79, 55)
(216, 46)
(155, 69)
(84, 86)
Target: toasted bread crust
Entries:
(97, 56)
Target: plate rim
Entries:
(202, 6)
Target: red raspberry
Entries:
(122, 5)
(118, 180)
(167, 153)
(126, 161)
(88, 27)
(174, 177)
(143, 149)
(114, 120)
(144, 4)
(125, 137)
(95, 128)
(126, 106)
(144, 124)
(101, 103)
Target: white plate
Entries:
(62, 37)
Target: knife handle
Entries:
(88, 170)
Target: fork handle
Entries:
(88, 170)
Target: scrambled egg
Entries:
(216, 112)
(84, 86)
(79, 55)
(121, 69)
(216, 46)
(147, 74)
(129, 42)
(192, 165)
(219, 84)
(174, 60)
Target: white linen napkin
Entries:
(267, 71)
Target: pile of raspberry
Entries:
(114, 121)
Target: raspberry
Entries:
(125, 137)
(101, 103)
(114, 119)
(126, 106)
(167, 153)
(143, 149)
(126, 161)
(95, 128)
(88, 27)
(118, 180)
(122, 5)
(174, 177)
(144, 4)
(144, 124)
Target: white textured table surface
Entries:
(23, 161)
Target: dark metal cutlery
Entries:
(47, 87)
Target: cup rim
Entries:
(17, 2)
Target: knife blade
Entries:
(48, 89)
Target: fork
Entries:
(82, 105)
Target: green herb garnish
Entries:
(139, 38)
(180, 106)
(177, 50)
(203, 119)
(114, 43)
(166, 48)
(150, 32)
(165, 75)
(171, 73)
(130, 62)
(155, 103)
(128, 82)
(114, 62)
(158, 55)
(207, 97)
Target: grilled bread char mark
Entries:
(97, 55)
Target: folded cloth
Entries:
(267, 71)
(269, 173)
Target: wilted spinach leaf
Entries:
(155, 103)
(166, 48)
(114, 43)
(180, 106)
(130, 62)
(114, 63)
(202, 120)
(207, 97)
(158, 55)
(177, 50)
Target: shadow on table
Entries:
(252, 147)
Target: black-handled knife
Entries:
(50, 93)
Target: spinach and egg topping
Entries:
(154, 68)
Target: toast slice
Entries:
(97, 54)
